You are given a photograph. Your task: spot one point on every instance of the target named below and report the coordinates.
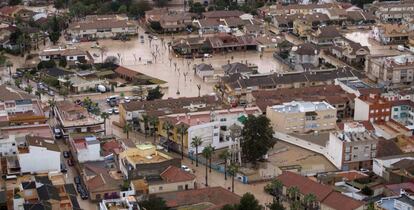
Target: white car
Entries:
(185, 168)
(155, 38)
(127, 99)
(110, 111)
(116, 111)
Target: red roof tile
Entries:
(174, 174)
(337, 201)
(126, 72)
(305, 185)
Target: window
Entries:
(13, 144)
(347, 157)
(180, 187)
(396, 109)
(355, 148)
(223, 120)
(160, 188)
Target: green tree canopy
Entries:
(154, 203)
(257, 138)
(155, 94)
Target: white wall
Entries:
(6, 146)
(379, 164)
(361, 110)
(334, 150)
(39, 159)
(91, 153)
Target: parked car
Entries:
(51, 93)
(185, 168)
(116, 111)
(127, 99)
(77, 179)
(58, 133)
(66, 154)
(63, 168)
(84, 195)
(110, 111)
(79, 188)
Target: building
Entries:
(305, 54)
(144, 161)
(385, 168)
(372, 108)
(128, 203)
(325, 36)
(102, 26)
(301, 116)
(349, 51)
(69, 54)
(204, 70)
(213, 127)
(403, 201)
(74, 118)
(237, 67)
(333, 94)
(391, 33)
(401, 112)
(390, 70)
(354, 148)
(39, 155)
(8, 145)
(392, 11)
(216, 197)
(173, 179)
(85, 147)
(326, 197)
(101, 180)
(175, 21)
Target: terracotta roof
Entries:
(337, 201)
(126, 72)
(367, 124)
(222, 14)
(174, 174)
(396, 188)
(387, 148)
(351, 175)
(42, 142)
(217, 196)
(304, 184)
(9, 10)
(8, 93)
(306, 49)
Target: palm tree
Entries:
(153, 121)
(167, 126)
(225, 156)
(293, 193)
(233, 169)
(182, 129)
(52, 104)
(196, 143)
(104, 116)
(28, 89)
(213, 149)
(127, 129)
(145, 120)
(18, 82)
(207, 153)
(309, 201)
(275, 188)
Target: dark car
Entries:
(77, 179)
(79, 188)
(63, 168)
(58, 133)
(84, 195)
(66, 154)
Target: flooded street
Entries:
(156, 61)
(362, 37)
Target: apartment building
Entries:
(390, 70)
(353, 148)
(70, 54)
(402, 112)
(144, 161)
(392, 11)
(382, 164)
(74, 118)
(387, 33)
(372, 108)
(85, 147)
(302, 116)
(102, 26)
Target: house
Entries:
(325, 36)
(203, 70)
(81, 82)
(349, 51)
(101, 180)
(268, 43)
(85, 147)
(390, 70)
(310, 116)
(237, 67)
(372, 108)
(39, 155)
(144, 161)
(69, 54)
(401, 112)
(326, 197)
(222, 14)
(74, 118)
(16, 11)
(226, 42)
(124, 203)
(391, 33)
(155, 14)
(403, 201)
(102, 26)
(306, 53)
(126, 73)
(175, 21)
(392, 11)
(353, 148)
(394, 168)
(173, 179)
(216, 197)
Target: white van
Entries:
(112, 98)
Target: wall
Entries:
(143, 170)
(170, 187)
(6, 146)
(334, 149)
(39, 160)
(379, 165)
(361, 110)
(91, 153)
(299, 142)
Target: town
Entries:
(206, 105)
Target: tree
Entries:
(207, 153)
(233, 169)
(63, 62)
(225, 156)
(153, 121)
(196, 143)
(28, 89)
(145, 120)
(155, 25)
(14, 2)
(248, 202)
(197, 8)
(122, 9)
(182, 129)
(155, 94)
(54, 33)
(257, 138)
(275, 206)
(154, 203)
(309, 201)
(167, 126)
(293, 193)
(104, 116)
(127, 128)
(138, 9)
(367, 191)
(111, 60)
(160, 3)
(18, 82)
(274, 188)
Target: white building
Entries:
(381, 164)
(85, 148)
(39, 155)
(8, 145)
(204, 70)
(126, 203)
(70, 54)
